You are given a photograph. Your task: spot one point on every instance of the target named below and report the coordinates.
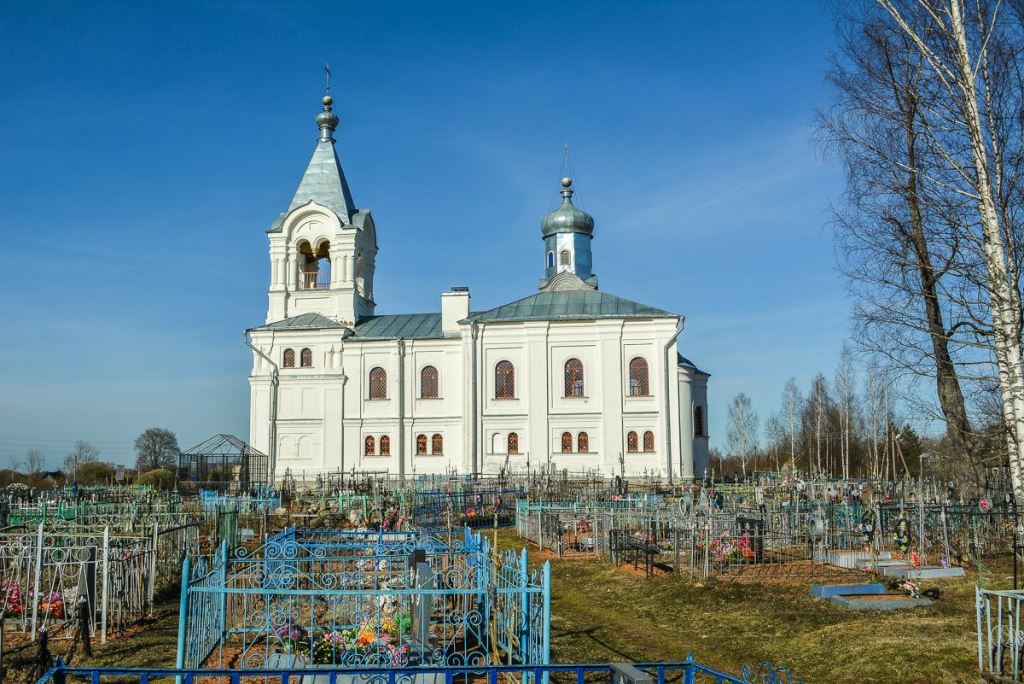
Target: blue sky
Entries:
(145, 148)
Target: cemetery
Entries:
(519, 575)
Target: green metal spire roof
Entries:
(576, 305)
(324, 181)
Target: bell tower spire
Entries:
(323, 248)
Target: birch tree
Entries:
(818, 404)
(897, 232)
(845, 386)
(776, 437)
(956, 47)
(741, 436)
(791, 401)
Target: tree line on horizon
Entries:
(156, 461)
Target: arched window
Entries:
(288, 360)
(564, 258)
(306, 358)
(632, 444)
(378, 383)
(698, 421)
(421, 445)
(428, 383)
(551, 259)
(566, 442)
(573, 378)
(368, 448)
(583, 443)
(504, 380)
(385, 445)
(648, 441)
(638, 378)
(437, 445)
(513, 443)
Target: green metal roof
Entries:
(408, 326)
(306, 321)
(574, 305)
(687, 363)
(324, 183)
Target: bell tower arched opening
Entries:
(314, 265)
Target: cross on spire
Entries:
(327, 74)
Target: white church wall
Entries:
(701, 456)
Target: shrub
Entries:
(95, 473)
(159, 478)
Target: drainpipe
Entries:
(669, 365)
(344, 381)
(401, 407)
(473, 327)
(272, 451)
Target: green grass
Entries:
(152, 644)
(600, 614)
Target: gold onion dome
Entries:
(567, 218)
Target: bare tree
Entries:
(845, 386)
(35, 460)
(965, 54)
(791, 401)
(897, 232)
(776, 437)
(80, 454)
(818, 404)
(741, 437)
(156, 448)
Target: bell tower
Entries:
(322, 248)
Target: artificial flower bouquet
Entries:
(52, 605)
(293, 636)
(13, 604)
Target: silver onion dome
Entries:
(567, 218)
(327, 120)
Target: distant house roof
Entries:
(306, 321)
(573, 305)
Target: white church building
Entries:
(567, 377)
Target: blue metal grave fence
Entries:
(688, 671)
(477, 508)
(364, 599)
(261, 501)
